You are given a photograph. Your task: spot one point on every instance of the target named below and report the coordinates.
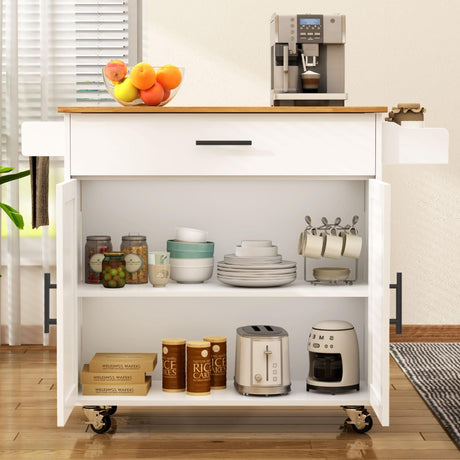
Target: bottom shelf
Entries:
(230, 397)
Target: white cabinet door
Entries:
(203, 144)
(378, 310)
(67, 237)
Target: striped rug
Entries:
(434, 370)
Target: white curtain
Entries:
(52, 55)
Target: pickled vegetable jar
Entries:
(95, 247)
(113, 270)
(134, 247)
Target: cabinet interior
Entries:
(230, 209)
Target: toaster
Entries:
(262, 361)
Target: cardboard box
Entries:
(131, 389)
(133, 362)
(118, 377)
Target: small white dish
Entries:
(266, 251)
(284, 264)
(256, 243)
(191, 235)
(257, 271)
(233, 259)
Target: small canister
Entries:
(113, 270)
(198, 368)
(218, 361)
(134, 247)
(173, 353)
(95, 247)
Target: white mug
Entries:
(332, 244)
(352, 243)
(312, 244)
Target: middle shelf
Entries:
(216, 289)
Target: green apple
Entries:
(126, 91)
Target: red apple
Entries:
(166, 95)
(152, 96)
(115, 70)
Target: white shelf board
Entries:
(230, 397)
(215, 288)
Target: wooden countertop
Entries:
(150, 109)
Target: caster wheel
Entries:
(106, 427)
(112, 410)
(367, 427)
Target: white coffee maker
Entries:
(333, 356)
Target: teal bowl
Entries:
(184, 250)
(200, 249)
(189, 255)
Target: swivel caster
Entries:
(99, 417)
(359, 418)
(112, 410)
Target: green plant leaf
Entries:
(4, 169)
(15, 176)
(13, 215)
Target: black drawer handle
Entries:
(223, 142)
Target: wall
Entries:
(224, 46)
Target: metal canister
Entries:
(218, 361)
(198, 368)
(173, 360)
(95, 247)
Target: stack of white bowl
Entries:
(192, 256)
(256, 263)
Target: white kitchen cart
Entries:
(240, 173)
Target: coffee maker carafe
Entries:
(307, 60)
(334, 357)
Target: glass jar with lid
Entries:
(95, 247)
(113, 270)
(134, 247)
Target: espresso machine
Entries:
(307, 60)
(334, 357)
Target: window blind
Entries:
(62, 47)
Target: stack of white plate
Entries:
(256, 263)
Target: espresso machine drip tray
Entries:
(308, 99)
(309, 96)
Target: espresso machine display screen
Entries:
(308, 59)
(310, 22)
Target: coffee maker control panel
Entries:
(309, 28)
(323, 341)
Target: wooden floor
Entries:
(28, 425)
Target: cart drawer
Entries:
(222, 144)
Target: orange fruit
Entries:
(153, 95)
(143, 75)
(169, 76)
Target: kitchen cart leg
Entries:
(359, 418)
(99, 417)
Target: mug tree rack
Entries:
(326, 226)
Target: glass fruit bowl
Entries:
(172, 93)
